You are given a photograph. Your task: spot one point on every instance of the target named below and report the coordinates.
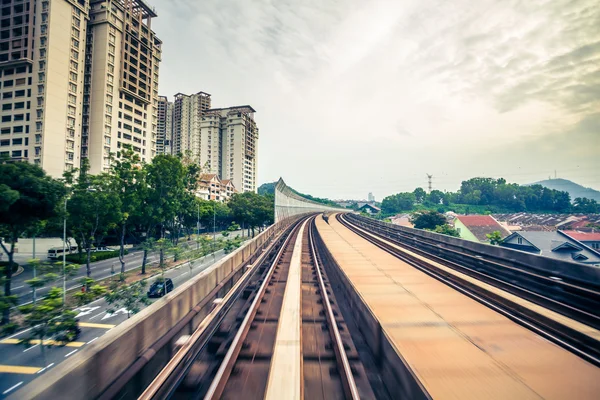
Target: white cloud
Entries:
(368, 96)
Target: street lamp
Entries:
(198, 229)
(214, 229)
(65, 254)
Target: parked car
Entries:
(102, 248)
(160, 287)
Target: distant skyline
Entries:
(355, 97)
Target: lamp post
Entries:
(198, 228)
(214, 229)
(65, 254)
(34, 269)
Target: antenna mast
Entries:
(429, 177)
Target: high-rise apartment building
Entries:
(78, 78)
(164, 132)
(187, 114)
(42, 47)
(229, 145)
(121, 82)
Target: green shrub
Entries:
(97, 256)
(4, 264)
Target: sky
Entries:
(370, 96)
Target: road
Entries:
(99, 270)
(19, 366)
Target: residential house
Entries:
(210, 187)
(369, 209)
(590, 239)
(476, 227)
(556, 245)
(402, 220)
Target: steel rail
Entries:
(217, 386)
(568, 338)
(340, 353)
(171, 375)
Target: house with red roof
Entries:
(590, 239)
(476, 227)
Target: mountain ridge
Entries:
(574, 189)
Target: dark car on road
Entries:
(160, 288)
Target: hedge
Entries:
(5, 264)
(96, 256)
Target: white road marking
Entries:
(12, 388)
(29, 348)
(18, 287)
(119, 311)
(92, 340)
(45, 368)
(74, 351)
(86, 310)
(97, 315)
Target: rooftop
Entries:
(555, 245)
(139, 6)
(583, 236)
(481, 225)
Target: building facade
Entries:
(210, 187)
(229, 145)
(42, 46)
(121, 91)
(187, 114)
(164, 133)
(78, 78)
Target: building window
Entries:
(520, 240)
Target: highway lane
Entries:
(99, 270)
(19, 366)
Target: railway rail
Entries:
(280, 334)
(584, 346)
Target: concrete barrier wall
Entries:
(582, 273)
(289, 204)
(92, 370)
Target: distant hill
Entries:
(575, 190)
(267, 188)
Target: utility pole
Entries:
(429, 177)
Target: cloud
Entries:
(419, 86)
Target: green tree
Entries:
(127, 179)
(166, 183)
(428, 220)
(420, 195)
(93, 209)
(435, 197)
(585, 205)
(92, 291)
(446, 230)
(28, 196)
(252, 209)
(148, 245)
(48, 319)
(398, 202)
(6, 303)
(130, 297)
(495, 238)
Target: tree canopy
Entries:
(494, 195)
